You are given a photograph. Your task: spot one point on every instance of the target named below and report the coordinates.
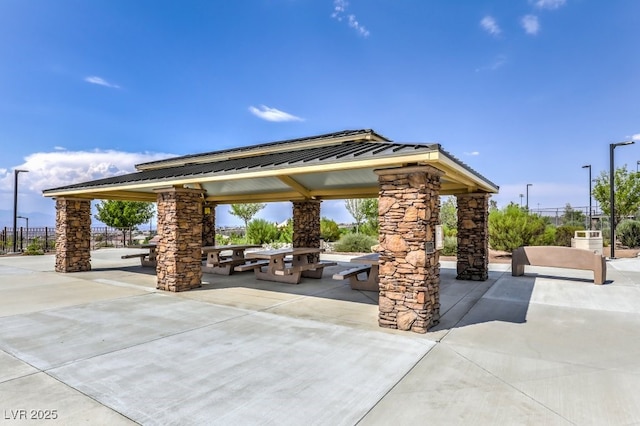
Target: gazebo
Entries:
(407, 178)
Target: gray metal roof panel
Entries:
(340, 152)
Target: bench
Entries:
(309, 270)
(368, 284)
(250, 266)
(559, 257)
(144, 259)
(131, 256)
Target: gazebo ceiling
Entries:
(332, 166)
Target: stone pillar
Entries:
(73, 235)
(409, 205)
(179, 247)
(473, 237)
(306, 225)
(208, 224)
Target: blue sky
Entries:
(523, 91)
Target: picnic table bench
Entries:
(147, 258)
(216, 263)
(369, 266)
(287, 265)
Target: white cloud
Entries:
(100, 82)
(489, 24)
(54, 169)
(636, 137)
(472, 153)
(548, 4)
(272, 114)
(59, 148)
(339, 11)
(530, 24)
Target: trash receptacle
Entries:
(588, 240)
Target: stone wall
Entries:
(208, 224)
(409, 206)
(306, 225)
(73, 235)
(180, 245)
(473, 237)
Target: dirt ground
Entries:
(505, 257)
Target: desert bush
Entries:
(355, 243)
(513, 227)
(329, 230)
(564, 234)
(628, 233)
(260, 231)
(450, 246)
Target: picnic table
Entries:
(147, 258)
(287, 265)
(369, 266)
(221, 263)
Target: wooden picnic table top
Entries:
(269, 254)
(367, 259)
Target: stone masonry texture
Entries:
(73, 235)
(409, 206)
(208, 224)
(306, 225)
(473, 237)
(179, 255)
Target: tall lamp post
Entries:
(612, 206)
(528, 185)
(637, 164)
(588, 166)
(16, 172)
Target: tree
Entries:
(358, 209)
(124, 215)
(573, 217)
(627, 193)
(246, 211)
(449, 213)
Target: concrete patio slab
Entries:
(106, 347)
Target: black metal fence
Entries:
(43, 239)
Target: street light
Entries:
(16, 172)
(528, 185)
(637, 164)
(589, 167)
(27, 219)
(613, 146)
(521, 195)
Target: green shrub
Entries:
(450, 246)
(628, 233)
(355, 243)
(260, 231)
(34, 247)
(564, 234)
(329, 230)
(285, 234)
(547, 238)
(514, 227)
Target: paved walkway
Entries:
(104, 347)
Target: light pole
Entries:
(637, 164)
(16, 172)
(612, 206)
(589, 167)
(528, 185)
(521, 195)
(27, 219)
